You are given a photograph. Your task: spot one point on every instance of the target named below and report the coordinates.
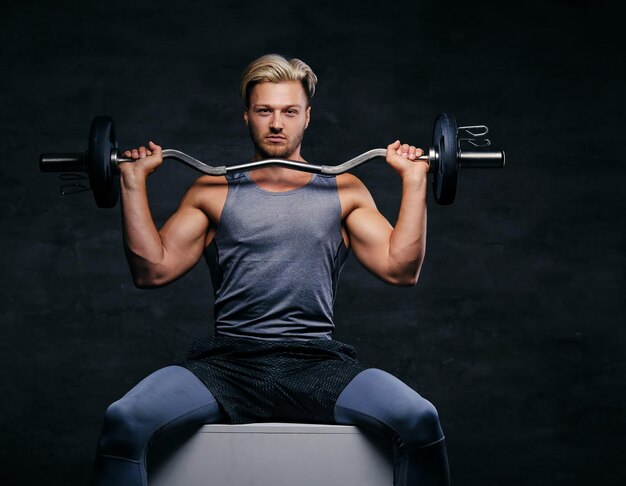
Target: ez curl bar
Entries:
(444, 156)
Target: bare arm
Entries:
(393, 254)
(157, 257)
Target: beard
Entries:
(268, 150)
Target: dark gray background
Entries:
(515, 330)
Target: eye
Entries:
(292, 112)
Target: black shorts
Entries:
(283, 381)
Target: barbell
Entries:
(445, 157)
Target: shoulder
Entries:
(205, 183)
(206, 190)
(349, 181)
(353, 193)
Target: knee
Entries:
(418, 423)
(124, 431)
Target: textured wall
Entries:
(515, 330)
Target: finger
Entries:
(404, 150)
(142, 152)
(135, 154)
(154, 146)
(127, 154)
(412, 151)
(392, 147)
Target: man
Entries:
(275, 240)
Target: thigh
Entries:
(164, 400)
(379, 400)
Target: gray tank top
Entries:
(275, 260)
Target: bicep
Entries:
(369, 233)
(183, 237)
(368, 230)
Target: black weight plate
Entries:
(445, 174)
(103, 179)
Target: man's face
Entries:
(277, 117)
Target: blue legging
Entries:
(173, 398)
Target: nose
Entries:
(276, 123)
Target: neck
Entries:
(280, 175)
(295, 156)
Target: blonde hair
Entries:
(275, 68)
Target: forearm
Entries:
(407, 243)
(143, 245)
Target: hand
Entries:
(404, 159)
(146, 160)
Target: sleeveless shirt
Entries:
(275, 260)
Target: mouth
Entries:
(275, 139)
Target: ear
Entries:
(245, 116)
(308, 117)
